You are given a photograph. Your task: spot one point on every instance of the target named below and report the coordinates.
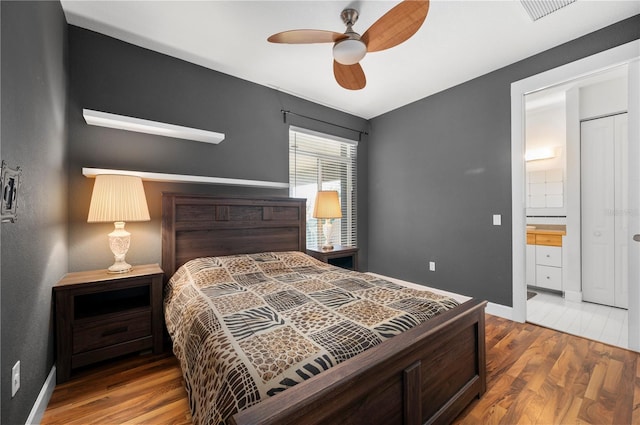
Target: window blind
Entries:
(319, 161)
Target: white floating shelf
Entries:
(122, 122)
(182, 178)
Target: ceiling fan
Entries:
(393, 28)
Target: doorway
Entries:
(598, 158)
(626, 54)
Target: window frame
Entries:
(346, 233)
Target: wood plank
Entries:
(532, 414)
(592, 412)
(565, 369)
(556, 402)
(520, 410)
(553, 346)
(624, 390)
(597, 378)
(412, 395)
(502, 395)
(571, 414)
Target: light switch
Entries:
(497, 220)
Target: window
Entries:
(321, 162)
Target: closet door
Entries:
(603, 196)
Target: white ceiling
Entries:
(459, 40)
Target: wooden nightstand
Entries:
(341, 256)
(100, 316)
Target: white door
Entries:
(604, 191)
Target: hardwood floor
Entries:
(534, 376)
(537, 375)
(146, 389)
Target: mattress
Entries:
(246, 327)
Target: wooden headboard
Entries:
(203, 226)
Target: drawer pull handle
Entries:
(115, 331)
(548, 256)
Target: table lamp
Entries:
(118, 198)
(327, 207)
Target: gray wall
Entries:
(440, 168)
(112, 76)
(34, 249)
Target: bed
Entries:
(427, 374)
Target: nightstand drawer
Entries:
(93, 334)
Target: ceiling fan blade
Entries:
(396, 26)
(350, 77)
(306, 37)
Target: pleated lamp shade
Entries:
(118, 198)
(327, 205)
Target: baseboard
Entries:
(37, 411)
(500, 310)
(575, 296)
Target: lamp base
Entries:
(327, 229)
(119, 241)
(122, 267)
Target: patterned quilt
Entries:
(246, 327)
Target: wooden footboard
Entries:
(426, 375)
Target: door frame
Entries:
(628, 53)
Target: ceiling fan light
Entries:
(349, 51)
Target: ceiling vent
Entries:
(540, 8)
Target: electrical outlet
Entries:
(432, 266)
(15, 378)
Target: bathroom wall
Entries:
(545, 178)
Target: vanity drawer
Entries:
(549, 277)
(548, 240)
(548, 256)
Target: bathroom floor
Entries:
(594, 321)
